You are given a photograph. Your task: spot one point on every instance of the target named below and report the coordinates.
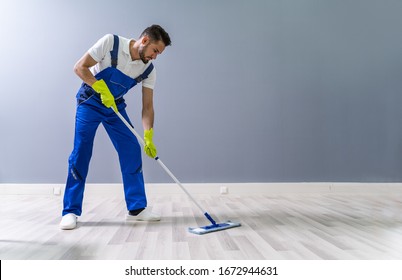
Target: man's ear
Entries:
(145, 40)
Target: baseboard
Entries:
(210, 188)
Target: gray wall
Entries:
(250, 91)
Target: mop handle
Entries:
(129, 127)
(160, 162)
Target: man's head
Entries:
(153, 40)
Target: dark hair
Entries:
(157, 33)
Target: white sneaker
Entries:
(145, 215)
(69, 221)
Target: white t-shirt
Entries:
(100, 52)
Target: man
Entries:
(109, 69)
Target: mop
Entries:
(196, 230)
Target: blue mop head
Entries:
(214, 227)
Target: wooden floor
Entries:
(282, 226)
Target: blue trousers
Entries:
(88, 117)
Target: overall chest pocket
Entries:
(119, 83)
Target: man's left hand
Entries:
(149, 148)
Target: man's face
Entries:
(150, 50)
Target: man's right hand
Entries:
(106, 96)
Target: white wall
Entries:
(250, 91)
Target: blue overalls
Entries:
(90, 113)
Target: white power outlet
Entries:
(224, 190)
(57, 191)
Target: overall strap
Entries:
(113, 53)
(144, 75)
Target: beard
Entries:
(142, 54)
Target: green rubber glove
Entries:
(106, 96)
(149, 148)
